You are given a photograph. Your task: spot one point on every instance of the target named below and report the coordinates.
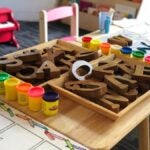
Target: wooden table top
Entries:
(86, 126)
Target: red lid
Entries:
(86, 39)
(147, 59)
(36, 91)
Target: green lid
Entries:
(138, 54)
(3, 76)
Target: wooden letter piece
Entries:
(87, 56)
(27, 73)
(131, 83)
(142, 73)
(105, 68)
(47, 70)
(131, 94)
(29, 56)
(86, 88)
(126, 39)
(67, 60)
(125, 69)
(115, 85)
(109, 105)
(120, 42)
(10, 65)
(117, 99)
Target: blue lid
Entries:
(50, 96)
(126, 50)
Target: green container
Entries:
(3, 76)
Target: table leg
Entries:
(144, 135)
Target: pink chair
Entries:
(57, 14)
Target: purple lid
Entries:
(50, 96)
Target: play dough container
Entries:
(94, 45)
(10, 88)
(35, 98)
(115, 49)
(126, 51)
(50, 102)
(105, 48)
(86, 41)
(3, 76)
(22, 93)
(138, 55)
(147, 60)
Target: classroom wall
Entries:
(28, 10)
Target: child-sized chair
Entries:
(7, 26)
(57, 14)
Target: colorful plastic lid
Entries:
(12, 82)
(105, 45)
(116, 47)
(24, 87)
(147, 59)
(95, 42)
(4, 76)
(86, 39)
(36, 91)
(51, 96)
(126, 50)
(138, 54)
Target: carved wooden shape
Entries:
(29, 56)
(27, 73)
(131, 83)
(117, 99)
(10, 65)
(48, 70)
(67, 60)
(115, 84)
(142, 73)
(125, 69)
(120, 40)
(105, 68)
(131, 94)
(109, 105)
(88, 89)
(87, 56)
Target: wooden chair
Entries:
(8, 24)
(57, 14)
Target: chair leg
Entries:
(14, 40)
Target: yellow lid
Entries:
(11, 82)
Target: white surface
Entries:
(144, 12)
(28, 10)
(17, 134)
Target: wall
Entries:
(28, 10)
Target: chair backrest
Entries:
(57, 14)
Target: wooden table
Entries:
(92, 129)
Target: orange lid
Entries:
(105, 45)
(24, 87)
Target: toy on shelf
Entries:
(7, 26)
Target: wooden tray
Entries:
(57, 84)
